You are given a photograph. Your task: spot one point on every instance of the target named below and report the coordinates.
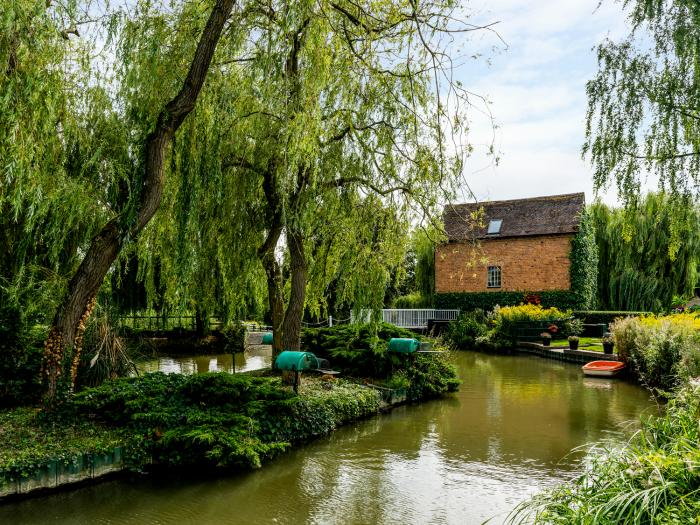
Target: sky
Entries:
(537, 91)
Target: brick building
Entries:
(521, 245)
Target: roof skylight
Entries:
(494, 226)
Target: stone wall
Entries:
(535, 263)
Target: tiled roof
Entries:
(521, 217)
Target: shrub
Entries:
(508, 319)
(234, 337)
(663, 351)
(356, 350)
(572, 327)
(205, 419)
(20, 361)
(414, 300)
(603, 317)
(563, 299)
(464, 332)
(105, 354)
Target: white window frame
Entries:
(491, 273)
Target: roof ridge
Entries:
(504, 201)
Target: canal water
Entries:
(255, 357)
(464, 459)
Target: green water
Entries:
(253, 358)
(459, 460)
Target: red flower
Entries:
(553, 328)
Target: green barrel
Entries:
(267, 338)
(403, 346)
(290, 360)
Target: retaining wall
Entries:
(58, 473)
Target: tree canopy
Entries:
(644, 102)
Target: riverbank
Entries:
(204, 421)
(463, 458)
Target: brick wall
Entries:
(527, 264)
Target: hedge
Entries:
(607, 317)
(464, 301)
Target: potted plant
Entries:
(546, 338)
(608, 343)
(573, 342)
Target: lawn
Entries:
(592, 344)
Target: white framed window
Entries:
(493, 277)
(494, 227)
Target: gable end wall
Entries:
(535, 263)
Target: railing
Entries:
(417, 318)
(163, 323)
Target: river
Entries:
(460, 460)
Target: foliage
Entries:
(30, 441)
(563, 299)
(234, 335)
(583, 272)
(641, 266)
(642, 110)
(59, 171)
(603, 317)
(464, 332)
(361, 351)
(204, 419)
(319, 411)
(431, 375)
(358, 350)
(213, 419)
(508, 319)
(572, 327)
(424, 245)
(413, 300)
(652, 478)
(664, 351)
(105, 354)
(20, 361)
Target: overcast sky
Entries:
(537, 90)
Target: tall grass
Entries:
(663, 351)
(653, 478)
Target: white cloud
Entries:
(537, 89)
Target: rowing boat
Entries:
(603, 368)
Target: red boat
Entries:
(603, 368)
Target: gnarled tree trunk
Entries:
(105, 247)
(297, 296)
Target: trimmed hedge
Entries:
(466, 302)
(607, 317)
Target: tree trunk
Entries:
(297, 296)
(275, 295)
(106, 245)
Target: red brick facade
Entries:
(535, 263)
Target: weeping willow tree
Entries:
(328, 126)
(61, 154)
(146, 153)
(362, 117)
(644, 106)
(640, 267)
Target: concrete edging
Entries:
(564, 354)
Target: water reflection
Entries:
(253, 358)
(459, 460)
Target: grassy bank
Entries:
(212, 420)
